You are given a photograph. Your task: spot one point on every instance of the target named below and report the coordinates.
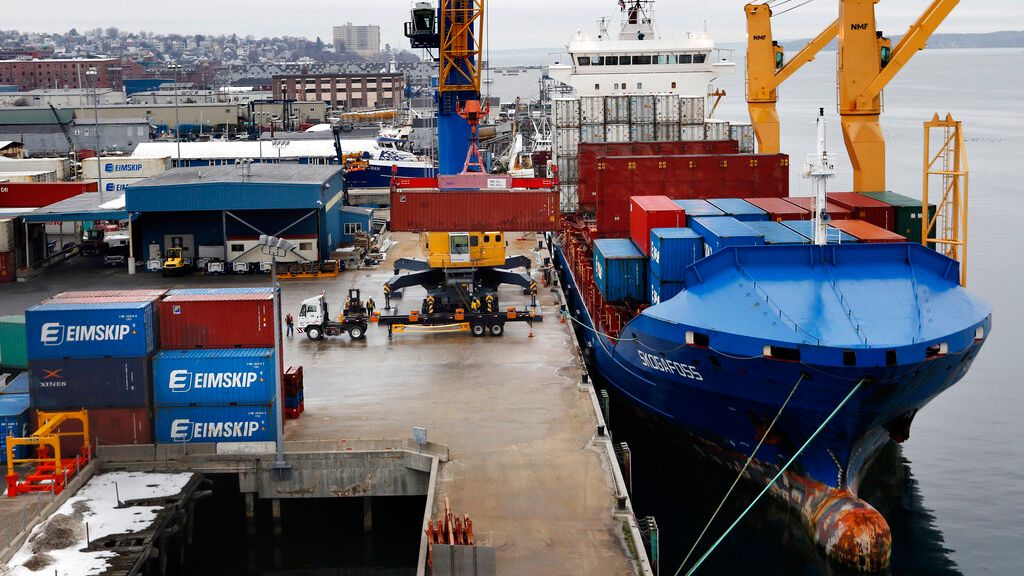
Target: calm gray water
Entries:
(954, 494)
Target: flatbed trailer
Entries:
(476, 323)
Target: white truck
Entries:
(315, 322)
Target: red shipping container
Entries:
(681, 178)
(779, 210)
(107, 427)
(506, 210)
(217, 321)
(647, 212)
(834, 210)
(39, 194)
(590, 155)
(8, 267)
(865, 208)
(867, 232)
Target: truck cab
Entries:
(314, 319)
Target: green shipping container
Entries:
(908, 214)
(13, 343)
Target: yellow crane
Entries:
(767, 69)
(867, 63)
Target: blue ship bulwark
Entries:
(721, 357)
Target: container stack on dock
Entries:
(14, 415)
(631, 118)
(294, 394)
(214, 379)
(93, 351)
(13, 347)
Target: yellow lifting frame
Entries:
(48, 435)
(949, 162)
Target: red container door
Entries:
(8, 266)
(217, 321)
(649, 212)
(107, 427)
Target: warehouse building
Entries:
(220, 211)
(38, 129)
(343, 91)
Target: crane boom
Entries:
(867, 63)
(766, 71)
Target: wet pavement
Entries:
(519, 429)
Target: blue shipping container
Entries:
(67, 383)
(740, 209)
(806, 229)
(725, 231)
(197, 424)
(697, 209)
(777, 233)
(123, 329)
(17, 386)
(13, 422)
(659, 291)
(620, 270)
(672, 250)
(231, 376)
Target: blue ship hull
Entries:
(378, 174)
(730, 400)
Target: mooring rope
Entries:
(742, 471)
(772, 481)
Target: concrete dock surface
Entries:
(523, 461)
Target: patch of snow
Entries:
(96, 504)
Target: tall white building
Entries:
(363, 40)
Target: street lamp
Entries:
(177, 118)
(275, 247)
(93, 75)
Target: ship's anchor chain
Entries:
(770, 482)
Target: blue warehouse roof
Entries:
(237, 187)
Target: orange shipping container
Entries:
(867, 232)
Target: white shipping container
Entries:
(693, 133)
(666, 132)
(7, 235)
(58, 165)
(212, 251)
(568, 198)
(641, 109)
(592, 133)
(567, 141)
(616, 109)
(592, 110)
(744, 134)
(568, 169)
(616, 133)
(641, 132)
(691, 110)
(119, 185)
(30, 176)
(716, 130)
(567, 112)
(666, 109)
(115, 167)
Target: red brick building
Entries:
(343, 91)
(61, 73)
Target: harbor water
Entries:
(951, 493)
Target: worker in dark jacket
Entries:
(290, 323)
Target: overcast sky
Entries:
(513, 23)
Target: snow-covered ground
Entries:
(55, 545)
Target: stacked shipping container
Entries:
(13, 347)
(214, 380)
(94, 353)
(672, 250)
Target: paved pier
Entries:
(523, 457)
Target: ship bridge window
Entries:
(699, 58)
(661, 59)
(611, 60)
(684, 58)
(640, 60)
(623, 60)
(583, 60)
